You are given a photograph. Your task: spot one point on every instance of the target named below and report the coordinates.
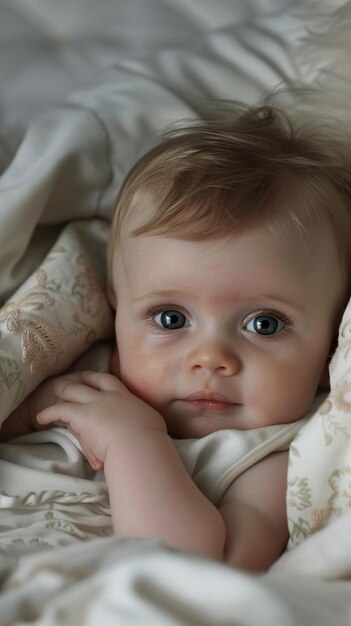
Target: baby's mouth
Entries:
(210, 401)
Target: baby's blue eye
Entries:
(171, 319)
(265, 325)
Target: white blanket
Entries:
(86, 88)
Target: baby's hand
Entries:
(23, 419)
(97, 410)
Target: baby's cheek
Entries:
(144, 373)
(138, 344)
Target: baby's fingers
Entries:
(74, 391)
(64, 414)
(102, 381)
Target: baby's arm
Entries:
(254, 512)
(151, 493)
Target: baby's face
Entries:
(230, 333)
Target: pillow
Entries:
(55, 316)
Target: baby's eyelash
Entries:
(281, 316)
(159, 308)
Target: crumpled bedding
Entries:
(319, 484)
(87, 92)
(114, 581)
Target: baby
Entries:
(229, 271)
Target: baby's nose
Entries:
(215, 358)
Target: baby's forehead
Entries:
(277, 251)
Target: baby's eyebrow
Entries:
(276, 300)
(166, 293)
(290, 302)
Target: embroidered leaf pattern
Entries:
(294, 451)
(41, 342)
(31, 301)
(44, 282)
(80, 328)
(11, 376)
(87, 288)
(319, 517)
(340, 485)
(299, 493)
(332, 428)
(299, 529)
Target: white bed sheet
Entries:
(86, 88)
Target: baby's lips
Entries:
(208, 396)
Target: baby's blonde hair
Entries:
(240, 166)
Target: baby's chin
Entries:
(183, 425)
